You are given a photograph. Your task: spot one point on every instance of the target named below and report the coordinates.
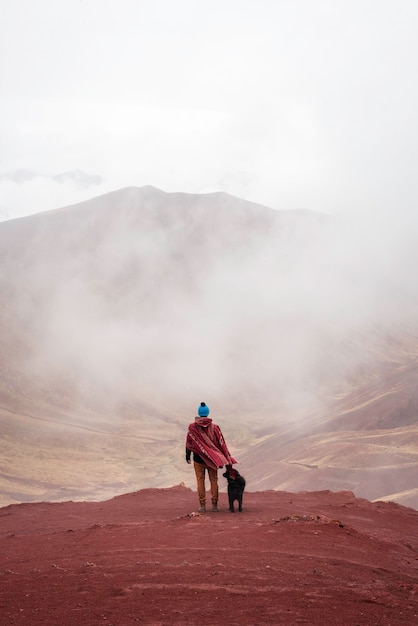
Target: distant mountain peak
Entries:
(150, 189)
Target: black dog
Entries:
(236, 486)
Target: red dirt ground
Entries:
(147, 558)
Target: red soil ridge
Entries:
(317, 558)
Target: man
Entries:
(210, 452)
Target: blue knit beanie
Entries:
(203, 410)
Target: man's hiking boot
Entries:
(202, 509)
(215, 508)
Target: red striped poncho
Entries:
(205, 439)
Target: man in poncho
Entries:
(210, 452)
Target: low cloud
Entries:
(26, 191)
(78, 178)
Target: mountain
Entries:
(147, 557)
(120, 314)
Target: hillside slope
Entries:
(367, 440)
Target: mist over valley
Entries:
(120, 314)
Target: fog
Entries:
(163, 299)
(119, 314)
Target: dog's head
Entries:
(231, 472)
(233, 477)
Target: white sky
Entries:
(291, 103)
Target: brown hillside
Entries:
(367, 441)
